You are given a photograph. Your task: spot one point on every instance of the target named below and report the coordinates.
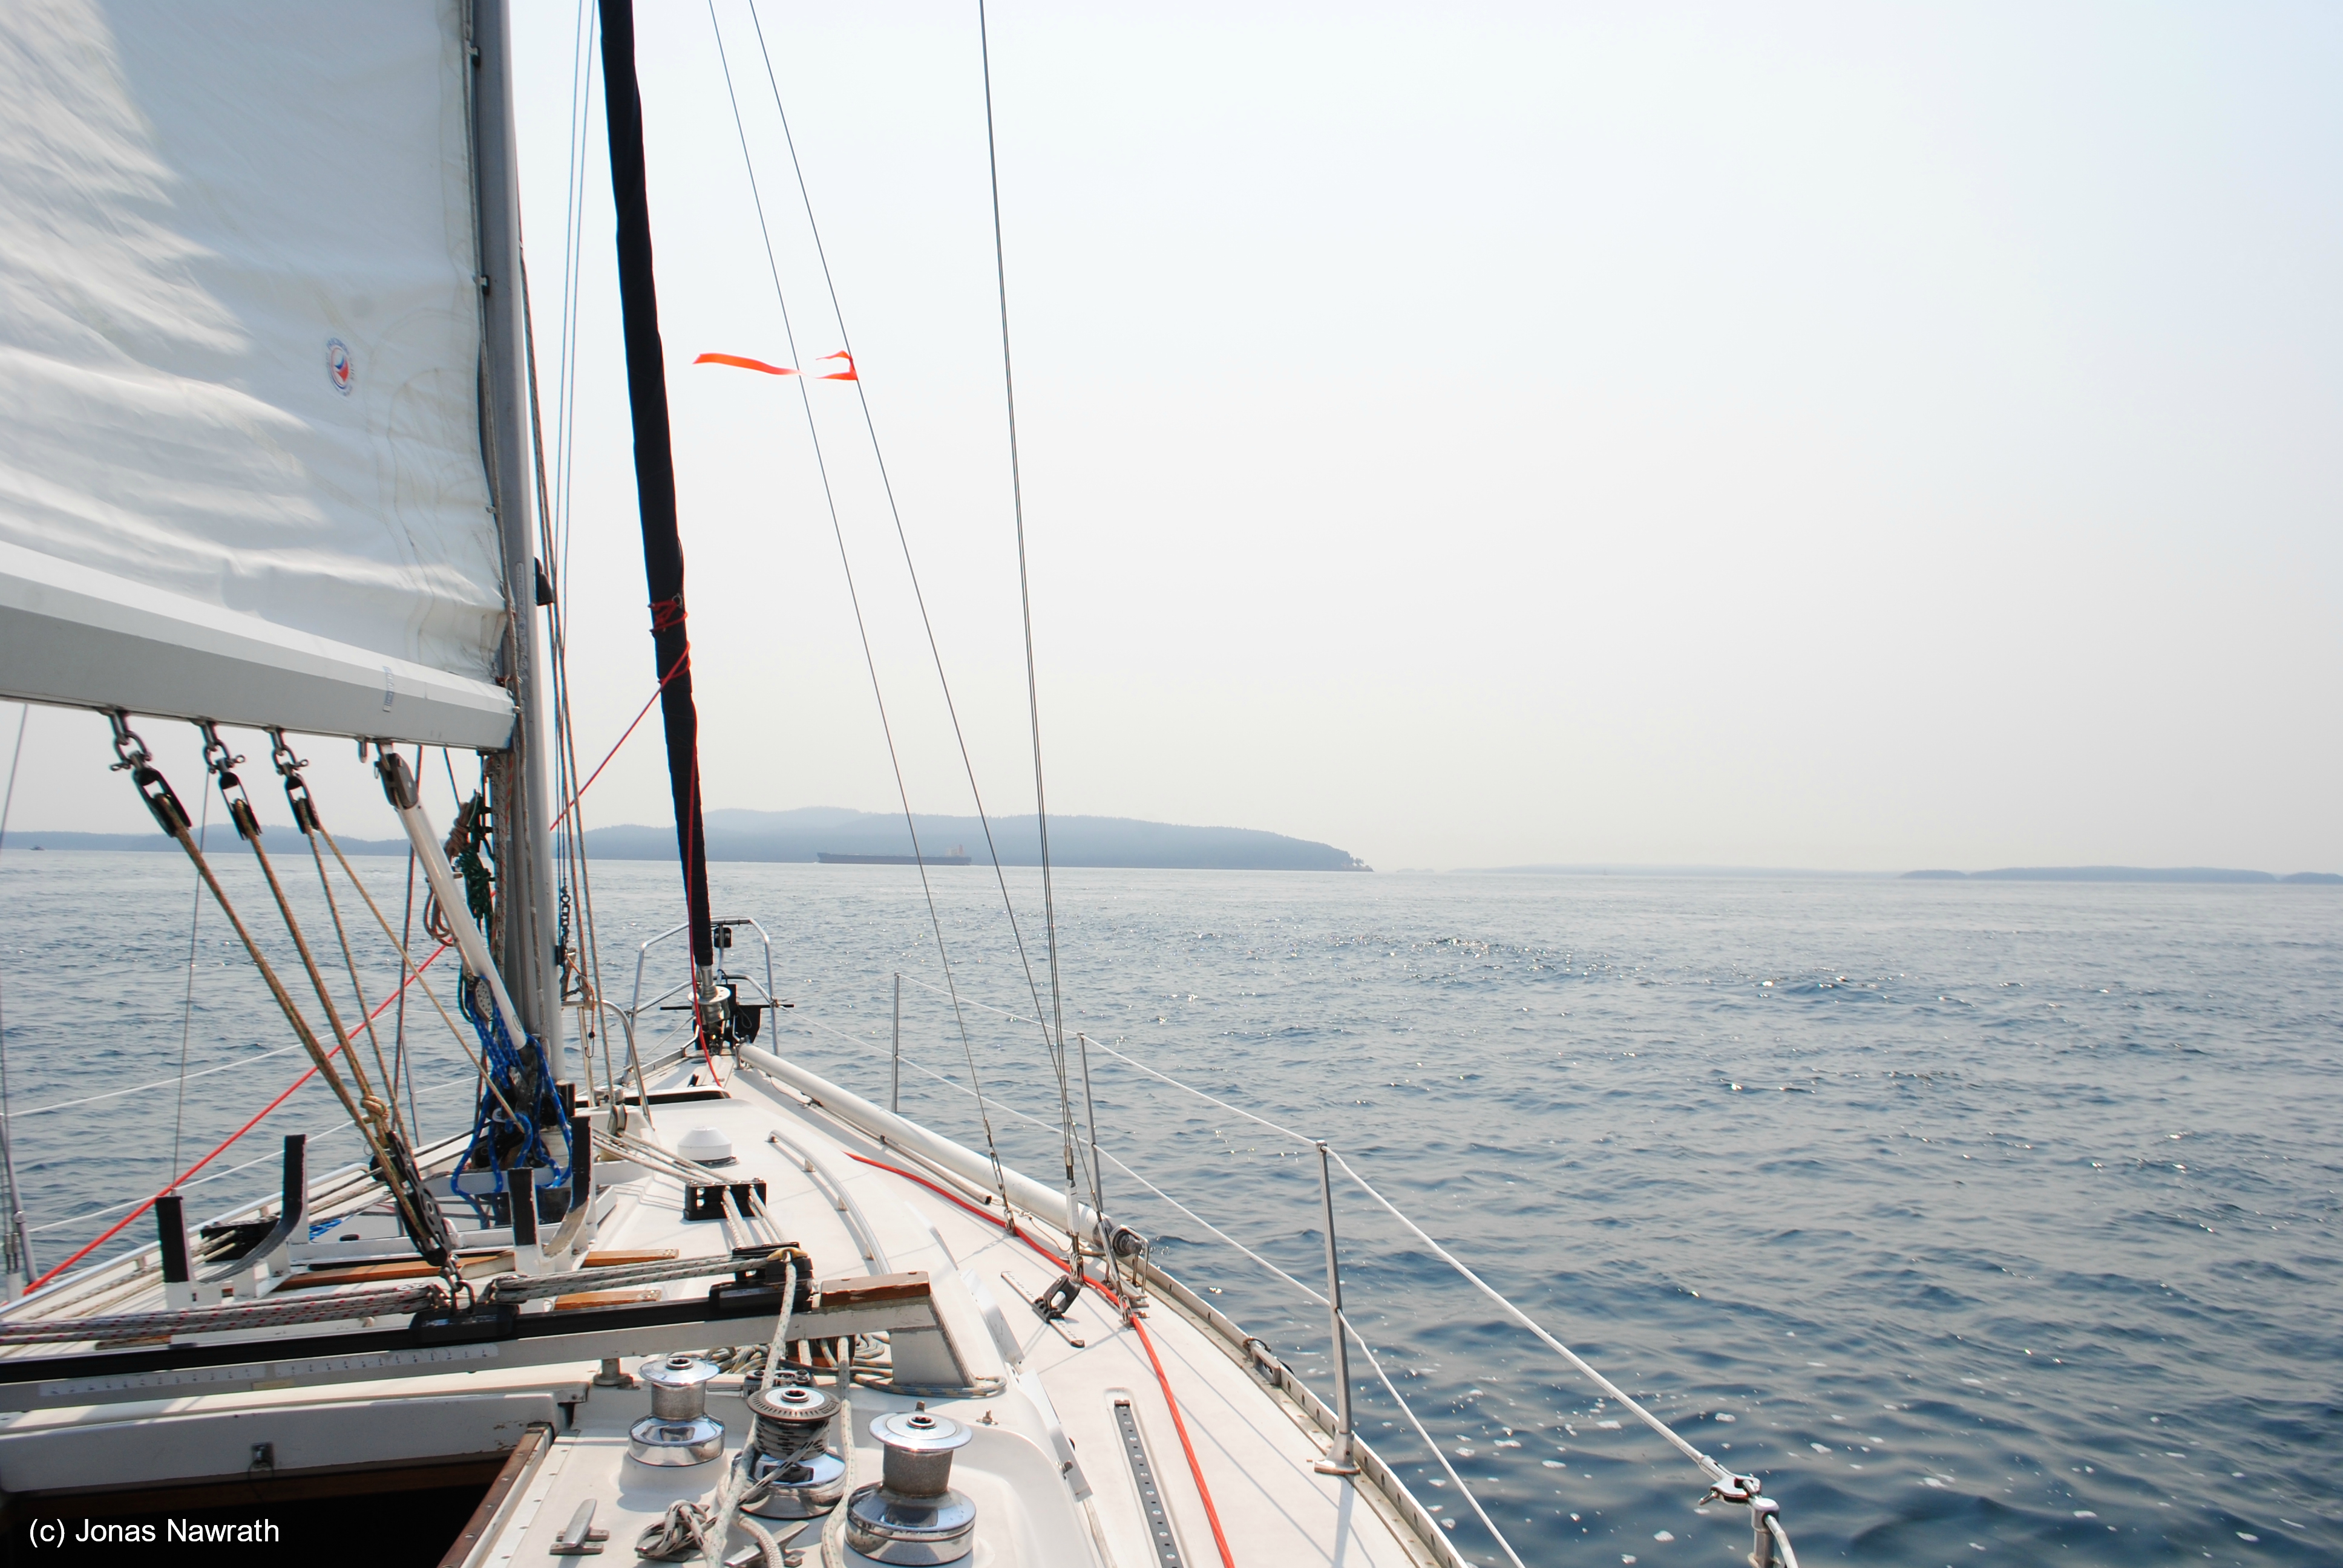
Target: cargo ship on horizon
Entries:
(955, 856)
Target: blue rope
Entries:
(505, 1066)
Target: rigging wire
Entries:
(869, 660)
(568, 831)
(304, 819)
(918, 593)
(582, 118)
(401, 1068)
(188, 1006)
(1024, 587)
(15, 1246)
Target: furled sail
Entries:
(241, 444)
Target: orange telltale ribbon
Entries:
(746, 364)
(846, 375)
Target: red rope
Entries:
(117, 1228)
(1220, 1538)
(681, 662)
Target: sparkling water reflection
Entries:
(1986, 1222)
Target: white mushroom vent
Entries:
(705, 1146)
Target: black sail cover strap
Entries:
(655, 461)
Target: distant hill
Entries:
(221, 836)
(1119, 842)
(2123, 874)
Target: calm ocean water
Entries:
(1989, 1222)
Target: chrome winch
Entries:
(799, 1475)
(913, 1515)
(679, 1430)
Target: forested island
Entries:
(2123, 874)
(1104, 842)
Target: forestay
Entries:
(241, 469)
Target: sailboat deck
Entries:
(1253, 1447)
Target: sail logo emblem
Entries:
(338, 365)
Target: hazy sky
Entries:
(1856, 437)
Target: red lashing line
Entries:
(116, 1229)
(1194, 1469)
(1220, 1538)
(671, 675)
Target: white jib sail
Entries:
(241, 474)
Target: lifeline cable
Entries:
(1728, 1484)
(854, 598)
(181, 1179)
(218, 1175)
(151, 1083)
(1170, 1401)
(1389, 1387)
(1709, 1467)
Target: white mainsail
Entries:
(241, 465)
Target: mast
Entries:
(517, 777)
(654, 475)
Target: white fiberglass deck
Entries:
(1254, 1448)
